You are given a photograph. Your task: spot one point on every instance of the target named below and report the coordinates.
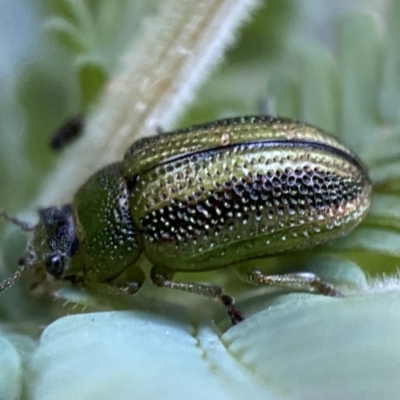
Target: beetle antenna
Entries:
(26, 226)
(23, 266)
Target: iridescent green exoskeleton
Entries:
(203, 198)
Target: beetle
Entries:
(203, 198)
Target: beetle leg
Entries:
(128, 283)
(163, 278)
(306, 281)
(112, 288)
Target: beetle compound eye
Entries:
(55, 265)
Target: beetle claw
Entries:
(233, 311)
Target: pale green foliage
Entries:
(173, 345)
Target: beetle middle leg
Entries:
(163, 278)
(305, 281)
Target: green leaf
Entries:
(301, 347)
(360, 59)
(67, 34)
(10, 365)
(389, 98)
(92, 78)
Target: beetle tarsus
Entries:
(233, 311)
(164, 279)
(325, 289)
(306, 281)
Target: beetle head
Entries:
(53, 244)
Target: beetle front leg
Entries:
(163, 278)
(127, 283)
(304, 281)
(112, 288)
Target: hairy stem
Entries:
(156, 80)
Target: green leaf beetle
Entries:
(202, 198)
